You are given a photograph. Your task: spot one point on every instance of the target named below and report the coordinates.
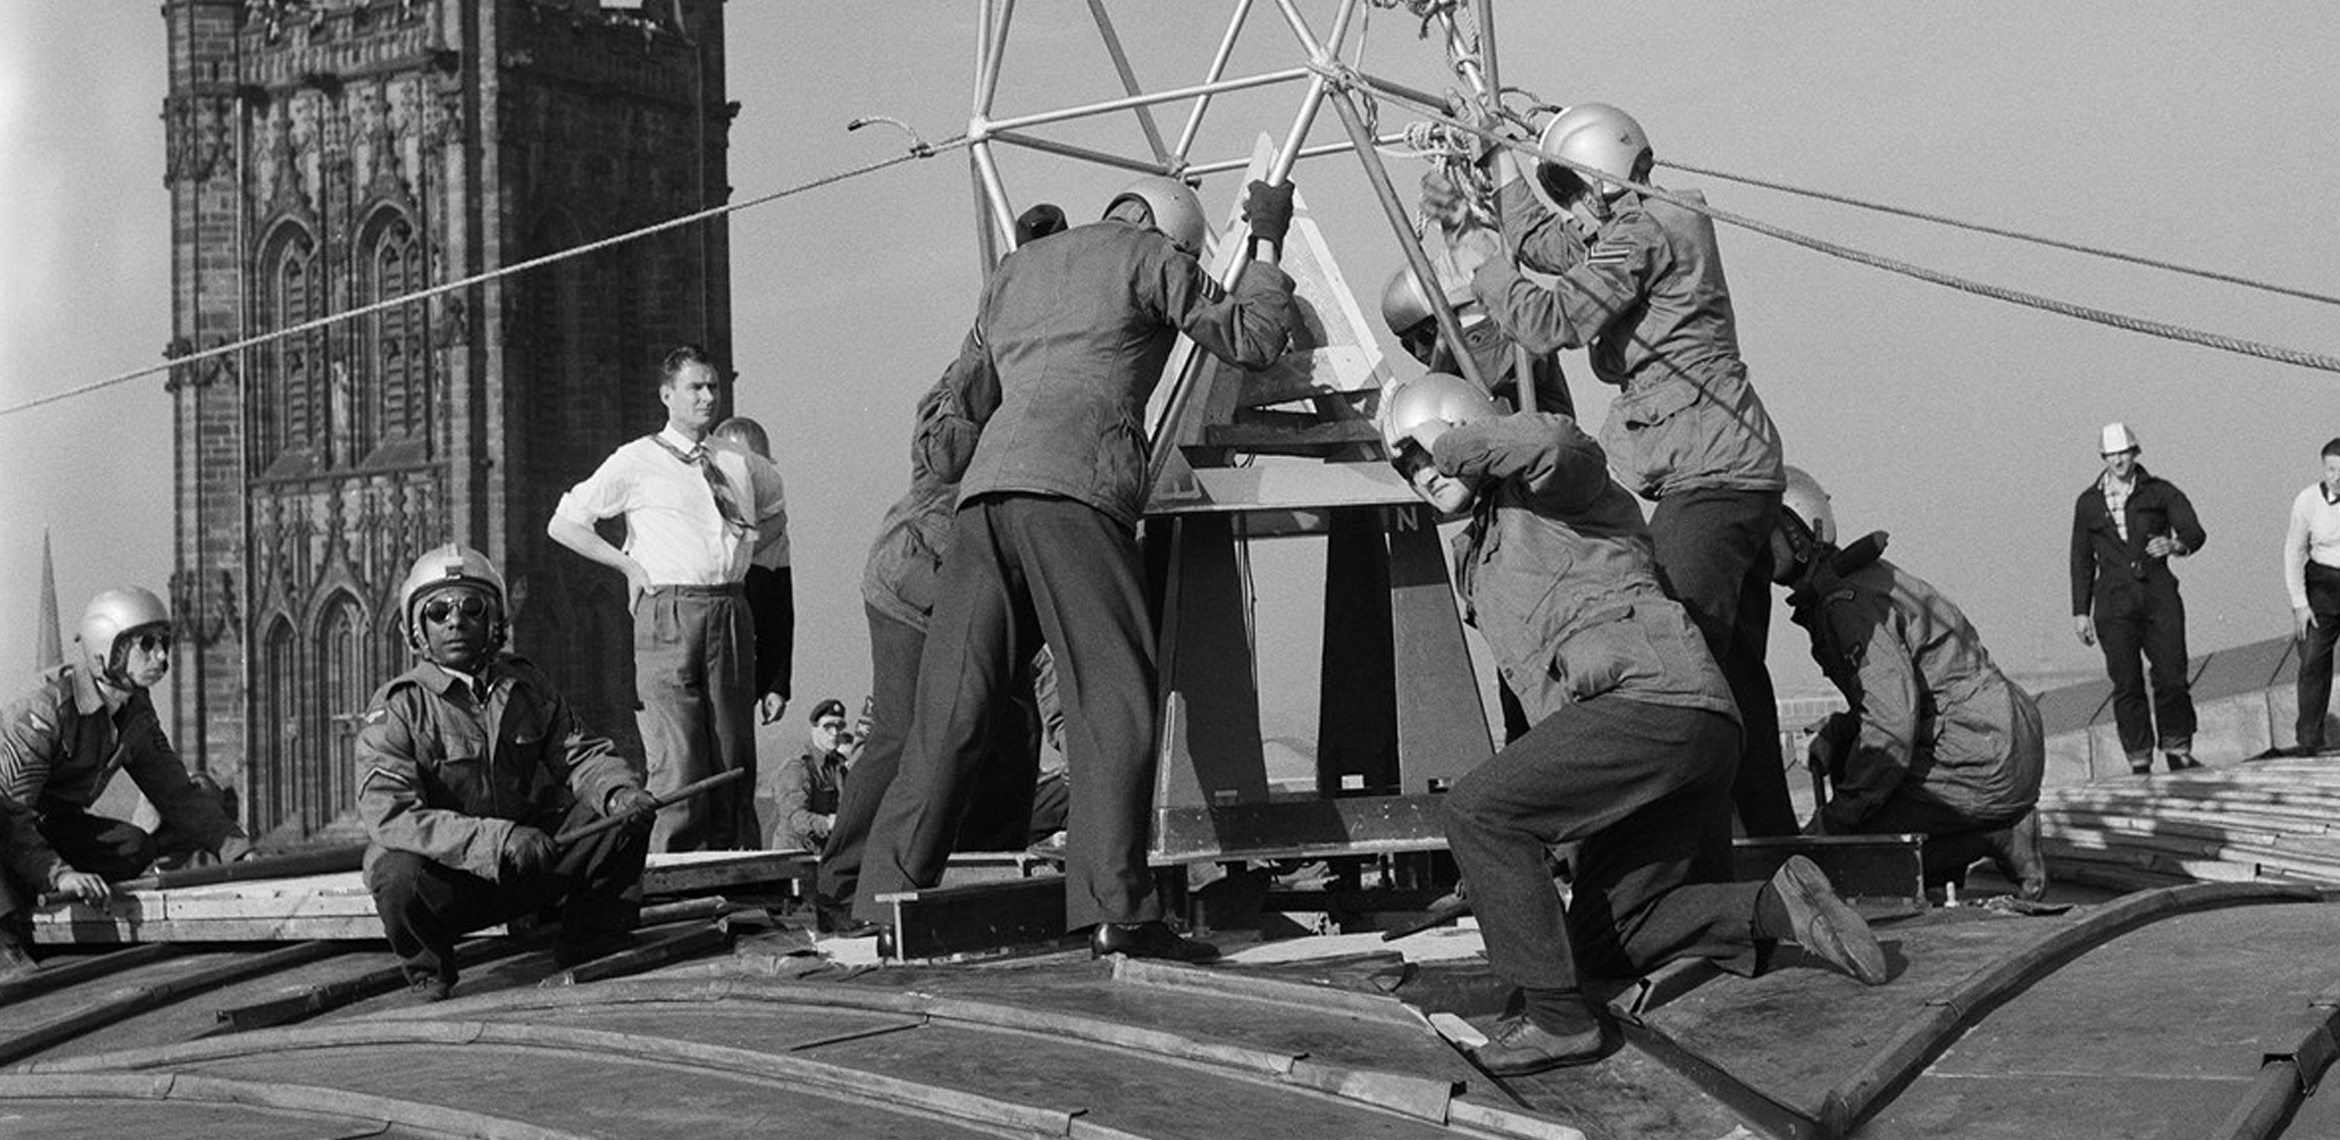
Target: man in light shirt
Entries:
(2311, 574)
(695, 517)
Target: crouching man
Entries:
(1634, 748)
(62, 740)
(1938, 742)
(473, 763)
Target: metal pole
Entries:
(1353, 120)
(986, 237)
(995, 39)
(1111, 105)
(1317, 151)
(1068, 150)
(1129, 82)
(1202, 103)
(1174, 409)
(1002, 215)
(1449, 326)
(1479, 71)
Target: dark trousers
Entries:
(694, 670)
(1001, 796)
(1714, 557)
(1645, 790)
(97, 845)
(2143, 624)
(1023, 570)
(2315, 654)
(426, 905)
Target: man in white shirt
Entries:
(695, 517)
(2311, 574)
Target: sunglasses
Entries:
(157, 642)
(440, 609)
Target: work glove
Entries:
(1039, 222)
(1269, 210)
(1443, 201)
(629, 800)
(528, 852)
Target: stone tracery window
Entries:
(290, 404)
(393, 385)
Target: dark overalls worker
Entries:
(1071, 336)
(472, 763)
(2126, 527)
(1936, 741)
(1634, 745)
(1639, 283)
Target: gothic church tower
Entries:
(328, 154)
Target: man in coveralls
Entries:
(1639, 280)
(1069, 341)
(2126, 527)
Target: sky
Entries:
(2200, 134)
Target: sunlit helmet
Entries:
(1177, 212)
(1596, 135)
(450, 565)
(747, 433)
(1404, 304)
(1433, 396)
(1807, 502)
(2117, 438)
(110, 615)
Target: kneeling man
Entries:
(473, 763)
(1635, 744)
(1937, 741)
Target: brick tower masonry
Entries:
(329, 154)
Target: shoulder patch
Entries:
(1609, 252)
(374, 715)
(33, 721)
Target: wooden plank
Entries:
(334, 1103)
(1293, 485)
(337, 907)
(54, 975)
(1298, 828)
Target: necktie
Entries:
(726, 502)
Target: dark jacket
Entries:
(1933, 719)
(1557, 571)
(59, 749)
(1076, 330)
(2103, 562)
(905, 559)
(803, 791)
(447, 778)
(1647, 298)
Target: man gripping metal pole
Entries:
(1638, 282)
(1071, 334)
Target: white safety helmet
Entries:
(1806, 501)
(1596, 135)
(110, 615)
(1433, 396)
(2116, 438)
(1177, 212)
(445, 565)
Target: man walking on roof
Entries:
(2311, 575)
(2126, 527)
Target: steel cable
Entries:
(921, 150)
